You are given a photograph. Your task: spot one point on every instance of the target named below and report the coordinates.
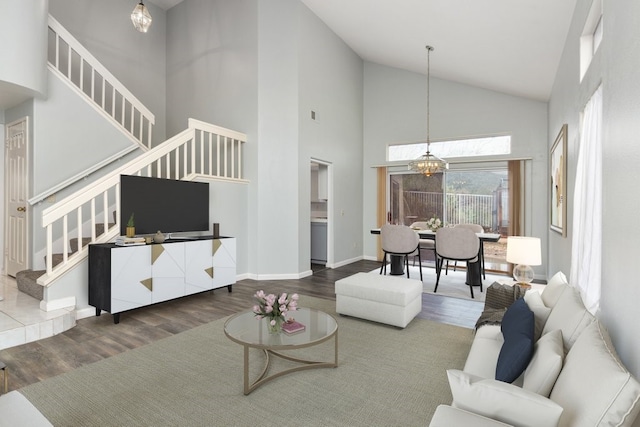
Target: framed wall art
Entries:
(558, 190)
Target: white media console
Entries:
(123, 278)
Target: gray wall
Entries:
(395, 111)
(331, 84)
(247, 66)
(68, 131)
(615, 66)
(212, 70)
(138, 60)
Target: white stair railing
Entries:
(201, 151)
(73, 63)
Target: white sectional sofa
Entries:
(573, 379)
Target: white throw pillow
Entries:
(502, 401)
(545, 365)
(540, 311)
(554, 289)
(569, 315)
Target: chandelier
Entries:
(141, 17)
(428, 164)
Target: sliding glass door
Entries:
(456, 197)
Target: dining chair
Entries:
(476, 228)
(425, 244)
(399, 240)
(456, 244)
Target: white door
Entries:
(17, 216)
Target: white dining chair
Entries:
(476, 228)
(456, 244)
(399, 240)
(425, 244)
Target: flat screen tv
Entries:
(167, 205)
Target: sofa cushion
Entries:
(448, 416)
(594, 388)
(545, 365)
(569, 315)
(484, 351)
(540, 311)
(501, 401)
(554, 289)
(517, 328)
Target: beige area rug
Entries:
(452, 284)
(386, 376)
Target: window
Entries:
(489, 146)
(591, 38)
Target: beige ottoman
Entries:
(394, 300)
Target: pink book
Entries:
(291, 327)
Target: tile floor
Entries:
(22, 320)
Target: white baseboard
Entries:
(370, 258)
(344, 262)
(83, 313)
(57, 304)
(291, 276)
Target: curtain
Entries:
(381, 214)
(515, 201)
(586, 243)
(515, 197)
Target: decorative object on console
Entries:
(216, 230)
(273, 308)
(141, 18)
(524, 252)
(131, 226)
(158, 237)
(428, 164)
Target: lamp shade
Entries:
(524, 250)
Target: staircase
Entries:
(202, 151)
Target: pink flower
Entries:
(268, 309)
(283, 308)
(283, 298)
(273, 322)
(295, 297)
(256, 308)
(260, 294)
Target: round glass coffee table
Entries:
(251, 332)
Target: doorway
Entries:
(16, 214)
(321, 238)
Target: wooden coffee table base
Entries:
(306, 364)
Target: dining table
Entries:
(474, 269)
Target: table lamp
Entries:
(523, 252)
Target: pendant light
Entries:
(141, 18)
(428, 164)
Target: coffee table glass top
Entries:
(247, 329)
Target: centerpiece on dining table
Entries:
(273, 308)
(434, 223)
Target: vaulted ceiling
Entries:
(508, 46)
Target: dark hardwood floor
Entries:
(96, 338)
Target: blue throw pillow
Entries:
(517, 327)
